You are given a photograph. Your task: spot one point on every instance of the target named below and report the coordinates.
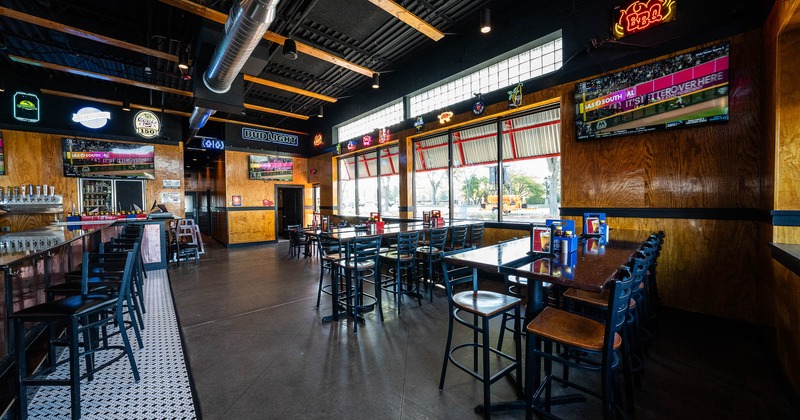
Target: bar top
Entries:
(18, 246)
(589, 268)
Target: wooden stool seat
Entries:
(484, 303)
(334, 257)
(360, 266)
(570, 329)
(393, 255)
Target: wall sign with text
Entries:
(26, 107)
(254, 134)
(635, 16)
(146, 124)
(91, 117)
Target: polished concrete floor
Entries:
(257, 349)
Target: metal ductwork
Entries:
(246, 25)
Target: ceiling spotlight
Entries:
(320, 113)
(376, 80)
(126, 102)
(486, 21)
(290, 49)
(183, 57)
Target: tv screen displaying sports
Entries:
(103, 159)
(685, 90)
(270, 168)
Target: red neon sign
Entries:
(637, 15)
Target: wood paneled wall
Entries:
(252, 224)
(36, 158)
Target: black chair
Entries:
(585, 344)
(83, 315)
(483, 306)
(182, 243)
(458, 237)
(402, 260)
(429, 255)
(330, 251)
(297, 241)
(361, 262)
(475, 235)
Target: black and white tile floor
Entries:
(164, 390)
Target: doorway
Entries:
(191, 206)
(289, 200)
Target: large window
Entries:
(431, 180)
(528, 183)
(369, 182)
(542, 57)
(383, 117)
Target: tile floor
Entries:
(258, 350)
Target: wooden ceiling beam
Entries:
(98, 76)
(275, 111)
(70, 30)
(409, 18)
(219, 17)
(281, 86)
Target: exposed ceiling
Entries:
(106, 49)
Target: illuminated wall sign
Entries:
(255, 134)
(445, 117)
(637, 15)
(366, 140)
(383, 136)
(26, 107)
(91, 117)
(351, 145)
(146, 124)
(209, 143)
(318, 140)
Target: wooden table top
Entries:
(590, 268)
(349, 232)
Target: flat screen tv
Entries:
(270, 168)
(104, 159)
(685, 90)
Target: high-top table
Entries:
(591, 268)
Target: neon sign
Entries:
(383, 137)
(445, 117)
(366, 140)
(318, 140)
(637, 15)
(351, 145)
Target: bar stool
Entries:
(483, 306)
(402, 260)
(458, 237)
(361, 261)
(579, 338)
(429, 255)
(330, 251)
(83, 315)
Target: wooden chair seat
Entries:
(350, 265)
(593, 298)
(334, 257)
(393, 255)
(484, 303)
(570, 329)
(428, 250)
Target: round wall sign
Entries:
(146, 124)
(91, 117)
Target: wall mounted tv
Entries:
(103, 159)
(270, 168)
(685, 90)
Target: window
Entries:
(347, 186)
(530, 178)
(370, 182)
(544, 56)
(431, 181)
(384, 117)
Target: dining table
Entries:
(591, 267)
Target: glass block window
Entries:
(539, 60)
(381, 118)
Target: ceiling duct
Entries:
(246, 25)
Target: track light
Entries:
(320, 113)
(290, 49)
(486, 21)
(376, 80)
(183, 58)
(126, 102)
